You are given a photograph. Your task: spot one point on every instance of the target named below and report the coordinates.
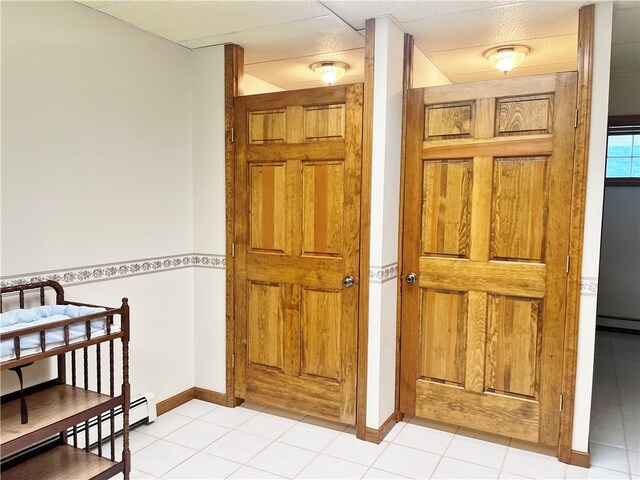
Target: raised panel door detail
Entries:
(447, 121)
(446, 212)
(518, 209)
(320, 334)
(443, 323)
(524, 116)
(268, 207)
(265, 323)
(513, 345)
(323, 185)
(269, 126)
(324, 122)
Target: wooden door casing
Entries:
(487, 211)
(298, 162)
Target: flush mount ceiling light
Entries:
(506, 58)
(329, 72)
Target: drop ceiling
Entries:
(282, 38)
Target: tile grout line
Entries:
(433, 472)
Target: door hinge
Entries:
(233, 135)
(233, 250)
(561, 400)
(575, 123)
(568, 263)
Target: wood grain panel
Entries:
(268, 126)
(320, 334)
(481, 201)
(268, 207)
(446, 214)
(445, 121)
(306, 395)
(530, 145)
(525, 115)
(329, 150)
(523, 279)
(324, 122)
(517, 86)
(518, 213)
(443, 324)
(323, 196)
(513, 345)
(265, 322)
(476, 339)
(516, 418)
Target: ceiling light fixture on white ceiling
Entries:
(329, 72)
(507, 57)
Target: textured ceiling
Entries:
(281, 38)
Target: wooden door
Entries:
(487, 197)
(297, 238)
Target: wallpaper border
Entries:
(383, 273)
(589, 286)
(109, 271)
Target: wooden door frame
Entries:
(564, 452)
(233, 87)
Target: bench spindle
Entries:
(16, 346)
(42, 302)
(43, 341)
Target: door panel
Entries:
(298, 157)
(487, 195)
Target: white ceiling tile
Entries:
(626, 25)
(356, 12)
(498, 25)
(625, 57)
(184, 20)
(307, 37)
(544, 51)
(286, 72)
(518, 72)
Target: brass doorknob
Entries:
(348, 281)
(411, 278)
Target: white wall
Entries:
(96, 140)
(385, 207)
(593, 222)
(254, 86)
(425, 73)
(620, 256)
(209, 209)
(97, 168)
(624, 94)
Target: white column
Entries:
(593, 222)
(209, 204)
(385, 206)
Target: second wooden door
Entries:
(487, 196)
(298, 158)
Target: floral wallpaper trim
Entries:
(589, 286)
(383, 273)
(120, 269)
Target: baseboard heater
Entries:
(142, 410)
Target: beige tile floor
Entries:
(205, 441)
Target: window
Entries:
(623, 151)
